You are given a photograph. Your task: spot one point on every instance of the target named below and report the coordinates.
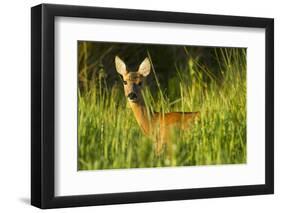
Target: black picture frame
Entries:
(43, 105)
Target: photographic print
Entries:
(122, 98)
(154, 105)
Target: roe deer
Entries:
(156, 125)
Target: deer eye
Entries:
(125, 82)
(140, 83)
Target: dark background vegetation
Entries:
(96, 61)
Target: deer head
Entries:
(133, 80)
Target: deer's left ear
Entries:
(144, 68)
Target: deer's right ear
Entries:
(120, 66)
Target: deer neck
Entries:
(142, 115)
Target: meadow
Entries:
(110, 138)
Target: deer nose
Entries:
(132, 96)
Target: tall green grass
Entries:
(110, 138)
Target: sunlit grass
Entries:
(109, 136)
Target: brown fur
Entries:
(156, 125)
